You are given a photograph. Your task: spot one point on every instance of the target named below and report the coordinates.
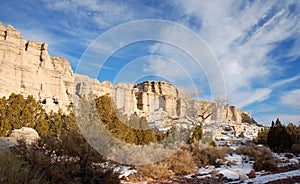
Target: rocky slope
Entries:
(26, 68)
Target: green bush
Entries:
(135, 130)
(16, 112)
(197, 135)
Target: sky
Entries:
(246, 51)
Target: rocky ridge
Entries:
(27, 68)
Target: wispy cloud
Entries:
(284, 81)
(242, 35)
(291, 98)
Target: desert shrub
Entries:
(65, 159)
(205, 154)
(181, 162)
(14, 170)
(247, 150)
(295, 148)
(264, 160)
(262, 156)
(212, 143)
(152, 171)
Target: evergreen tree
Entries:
(262, 136)
(196, 135)
(279, 138)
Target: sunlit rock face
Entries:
(26, 68)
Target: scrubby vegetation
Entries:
(60, 156)
(178, 164)
(16, 170)
(63, 155)
(64, 159)
(262, 156)
(208, 155)
(181, 163)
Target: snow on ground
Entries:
(229, 174)
(239, 163)
(274, 177)
(238, 166)
(203, 172)
(124, 171)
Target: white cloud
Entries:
(285, 81)
(169, 69)
(191, 52)
(291, 98)
(242, 38)
(243, 99)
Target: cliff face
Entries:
(26, 68)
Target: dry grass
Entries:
(13, 170)
(181, 163)
(151, 172)
(178, 164)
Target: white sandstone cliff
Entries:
(26, 68)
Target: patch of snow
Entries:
(234, 158)
(273, 177)
(164, 130)
(204, 171)
(293, 161)
(124, 171)
(229, 174)
(189, 176)
(240, 163)
(204, 176)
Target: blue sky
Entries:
(256, 45)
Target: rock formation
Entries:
(26, 68)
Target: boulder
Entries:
(251, 174)
(7, 142)
(29, 135)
